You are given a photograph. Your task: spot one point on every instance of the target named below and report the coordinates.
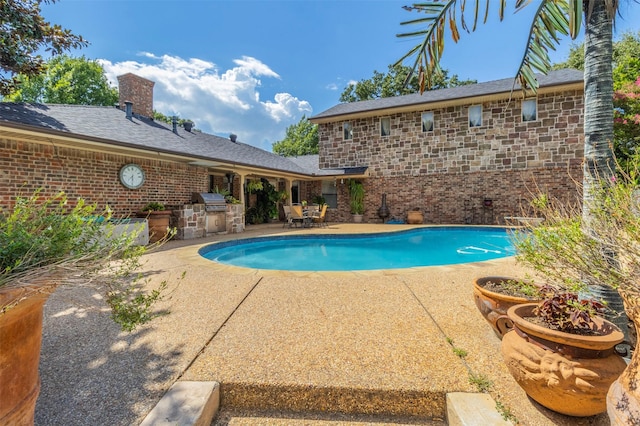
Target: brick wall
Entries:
(450, 171)
(133, 88)
(25, 167)
(459, 198)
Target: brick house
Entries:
(447, 152)
(464, 155)
(82, 149)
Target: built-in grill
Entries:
(216, 207)
(212, 202)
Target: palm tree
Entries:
(552, 19)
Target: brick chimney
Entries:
(137, 90)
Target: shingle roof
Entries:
(554, 78)
(110, 125)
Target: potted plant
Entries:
(159, 220)
(495, 295)
(44, 243)
(356, 199)
(415, 216)
(562, 354)
(596, 252)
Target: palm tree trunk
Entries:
(599, 166)
(598, 100)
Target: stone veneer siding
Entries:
(94, 176)
(449, 172)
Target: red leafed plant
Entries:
(565, 311)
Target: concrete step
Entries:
(186, 404)
(424, 404)
(197, 403)
(279, 418)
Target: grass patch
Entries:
(481, 382)
(506, 413)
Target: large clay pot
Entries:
(20, 340)
(159, 222)
(493, 306)
(567, 373)
(623, 399)
(415, 217)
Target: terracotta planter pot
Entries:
(493, 306)
(415, 217)
(567, 373)
(623, 398)
(357, 218)
(20, 340)
(159, 222)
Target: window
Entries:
(295, 197)
(348, 130)
(385, 126)
(330, 193)
(475, 116)
(529, 110)
(427, 121)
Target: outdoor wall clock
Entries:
(132, 176)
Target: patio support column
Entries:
(287, 186)
(242, 182)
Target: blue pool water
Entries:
(392, 250)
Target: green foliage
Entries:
(626, 124)
(45, 242)
(267, 199)
(506, 413)
(395, 83)
(158, 116)
(300, 139)
(356, 196)
(254, 185)
(575, 60)
(572, 251)
(481, 382)
(626, 59)
(25, 34)
(67, 80)
(319, 200)
(153, 207)
(524, 287)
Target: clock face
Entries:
(132, 176)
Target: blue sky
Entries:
(254, 68)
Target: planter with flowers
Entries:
(44, 243)
(598, 251)
(562, 354)
(495, 295)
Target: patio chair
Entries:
(298, 216)
(287, 216)
(319, 220)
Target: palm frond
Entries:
(550, 20)
(439, 15)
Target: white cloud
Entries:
(218, 101)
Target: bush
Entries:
(45, 242)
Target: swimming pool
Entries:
(356, 252)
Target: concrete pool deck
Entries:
(286, 347)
